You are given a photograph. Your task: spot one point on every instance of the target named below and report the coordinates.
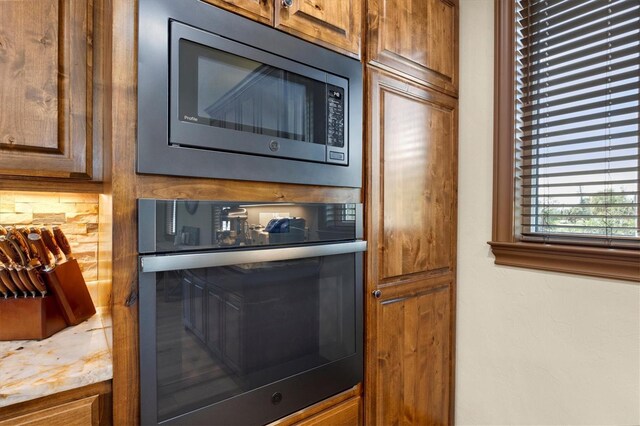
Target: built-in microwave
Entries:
(222, 96)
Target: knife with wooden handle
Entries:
(50, 241)
(38, 282)
(29, 260)
(8, 282)
(18, 260)
(4, 260)
(42, 253)
(63, 243)
(19, 238)
(4, 290)
(24, 232)
(3, 231)
(17, 281)
(9, 252)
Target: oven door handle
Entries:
(162, 263)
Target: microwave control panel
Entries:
(336, 147)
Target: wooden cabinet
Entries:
(413, 381)
(46, 81)
(334, 24)
(86, 406)
(258, 10)
(411, 198)
(412, 187)
(418, 38)
(344, 409)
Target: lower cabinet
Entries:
(86, 406)
(411, 355)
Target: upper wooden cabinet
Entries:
(46, 88)
(258, 10)
(334, 24)
(418, 38)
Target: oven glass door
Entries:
(224, 331)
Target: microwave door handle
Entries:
(177, 262)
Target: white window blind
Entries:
(577, 121)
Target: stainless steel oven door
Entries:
(247, 337)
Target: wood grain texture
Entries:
(410, 223)
(418, 38)
(150, 186)
(413, 359)
(258, 10)
(63, 408)
(46, 88)
(341, 409)
(414, 136)
(46, 185)
(122, 190)
(335, 24)
(82, 412)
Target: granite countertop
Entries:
(75, 357)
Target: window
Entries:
(566, 149)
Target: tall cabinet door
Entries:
(411, 198)
(332, 23)
(46, 88)
(258, 10)
(416, 37)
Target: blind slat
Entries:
(583, 13)
(597, 160)
(581, 22)
(582, 173)
(581, 107)
(576, 120)
(590, 73)
(583, 129)
(590, 85)
(577, 60)
(538, 11)
(582, 140)
(577, 33)
(590, 183)
(579, 43)
(602, 149)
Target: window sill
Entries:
(597, 262)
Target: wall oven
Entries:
(248, 311)
(222, 96)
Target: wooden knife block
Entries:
(30, 318)
(67, 285)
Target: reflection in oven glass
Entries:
(227, 330)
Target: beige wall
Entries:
(532, 347)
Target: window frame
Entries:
(505, 242)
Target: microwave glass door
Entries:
(224, 331)
(224, 90)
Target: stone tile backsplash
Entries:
(75, 214)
